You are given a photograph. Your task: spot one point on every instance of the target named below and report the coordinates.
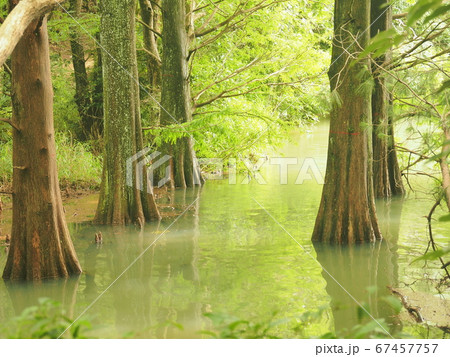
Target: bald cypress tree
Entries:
(347, 209)
(120, 203)
(41, 247)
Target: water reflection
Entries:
(64, 291)
(363, 273)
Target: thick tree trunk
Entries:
(119, 203)
(176, 92)
(19, 20)
(386, 174)
(40, 243)
(347, 210)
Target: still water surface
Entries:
(241, 250)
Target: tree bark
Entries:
(176, 93)
(347, 211)
(82, 90)
(119, 203)
(386, 173)
(18, 21)
(150, 19)
(41, 247)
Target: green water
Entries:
(242, 250)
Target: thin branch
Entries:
(147, 26)
(8, 121)
(152, 55)
(430, 231)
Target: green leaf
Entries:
(445, 218)
(438, 12)
(419, 9)
(393, 302)
(434, 255)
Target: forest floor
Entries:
(80, 204)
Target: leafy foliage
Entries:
(46, 320)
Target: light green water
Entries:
(242, 250)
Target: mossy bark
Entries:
(347, 210)
(119, 203)
(41, 247)
(387, 176)
(176, 93)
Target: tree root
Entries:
(414, 311)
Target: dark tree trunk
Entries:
(82, 93)
(386, 173)
(97, 95)
(41, 247)
(119, 203)
(347, 209)
(176, 93)
(150, 18)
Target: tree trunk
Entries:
(41, 247)
(119, 203)
(176, 93)
(347, 211)
(82, 90)
(386, 173)
(150, 18)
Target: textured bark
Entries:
(121, 204)
(176, 93)
(41, 247)
(386, 174)
(347, 211)
(150, 18)
(18, 21)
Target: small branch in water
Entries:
(412, 310)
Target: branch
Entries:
(399, 16)
(152, 30)
(8, 121)
(152, 55)
(224, 94)
(263, 4)
(12, 29)
(430, 231)
(231, 75)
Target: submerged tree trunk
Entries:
(176, 92)
(41, 247)
(347, 209)
(386, 173)
(122, 202)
